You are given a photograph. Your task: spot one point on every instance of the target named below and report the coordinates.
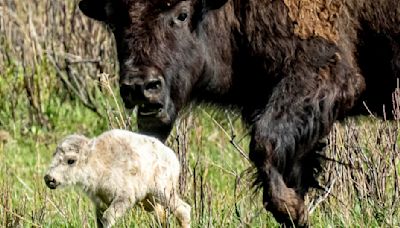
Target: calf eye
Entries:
(71, 161)
(182, 16)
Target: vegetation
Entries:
(58, 77)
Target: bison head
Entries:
(160, 54)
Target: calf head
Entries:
(68, 162)
(160, 54)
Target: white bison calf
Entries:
(118, 169)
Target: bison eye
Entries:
(182, 16)
(71, 161)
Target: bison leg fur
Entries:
(286, 205)
(285, 142)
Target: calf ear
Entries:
(213, 4)
(95, 9)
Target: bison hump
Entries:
(315, 18)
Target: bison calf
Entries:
(118, 169)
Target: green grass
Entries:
(27, 201)
(215, 182)
(212, 167)
(213, 163)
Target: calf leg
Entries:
(99, 215)
(151, 205)
(181, 210)
(117, 209)
(171, 200)
(100, 208)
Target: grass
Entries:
(53, 82)
(212, 164)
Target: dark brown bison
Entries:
(291, 67)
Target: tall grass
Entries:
(58, 76)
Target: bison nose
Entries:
(131, 93)
(141, 88)
(152, 87)
(50, 181)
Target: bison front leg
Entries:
(275, 153)
(286, 135)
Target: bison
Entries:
(117, 169)
(290, 67)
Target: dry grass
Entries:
(40, 37)
(366, 181)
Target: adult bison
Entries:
(291, 67)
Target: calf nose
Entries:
(50, 181)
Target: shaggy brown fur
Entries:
(290, 67)
(315, 18)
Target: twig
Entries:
(369, 111)
(231, 137)
(312, 208)
(57, 208)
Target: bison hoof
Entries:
(287, 208)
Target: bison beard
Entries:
(291, 69)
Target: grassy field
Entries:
(58, 77)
